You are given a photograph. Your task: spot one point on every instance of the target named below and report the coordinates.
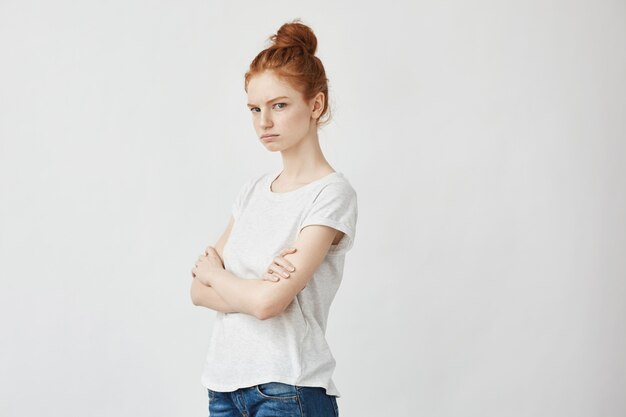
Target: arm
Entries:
(243, 295)
(221, 242)
(205, 296)
(232, 294)
(265, 299)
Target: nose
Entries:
(265, 120)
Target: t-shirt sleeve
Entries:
(335, 206)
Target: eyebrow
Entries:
(269, 101)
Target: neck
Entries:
(304, 161)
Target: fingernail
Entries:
(292, 269)
(285, 274)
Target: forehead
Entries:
(265, 86)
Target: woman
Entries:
(268, 354)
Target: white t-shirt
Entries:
(290, 348)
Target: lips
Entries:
(268, 135)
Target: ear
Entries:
(318, 105)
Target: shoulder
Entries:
(337, 188)
(335, 206)
(336, 199)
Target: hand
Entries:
(206, 265)
(280, 267)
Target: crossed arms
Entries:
(261, 298)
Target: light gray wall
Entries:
(486, 142)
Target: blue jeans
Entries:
(273, 399)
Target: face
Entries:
(279, 109)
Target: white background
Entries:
(486, 142)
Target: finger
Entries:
(270, 277)
(271, 271)
(279, 270)
(284, 265)
(286, 251)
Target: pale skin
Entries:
(294, 121)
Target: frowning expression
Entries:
(279, 110)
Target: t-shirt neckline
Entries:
(275, 174)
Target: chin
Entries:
(273, 147)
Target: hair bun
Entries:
(295, 34)
(291, 57)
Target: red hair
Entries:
(292, 58)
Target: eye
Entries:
(252, 109)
